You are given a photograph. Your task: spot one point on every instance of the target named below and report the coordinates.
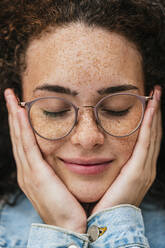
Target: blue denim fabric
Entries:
(124, 225)
(42, 236)
(154, 220)
(124, 228)
(15, 223)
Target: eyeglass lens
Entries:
(52, 118)
(118, 115)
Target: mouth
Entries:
(87, 166)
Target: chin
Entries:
(87, 199)
(87, 195)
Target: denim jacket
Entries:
(118, 227)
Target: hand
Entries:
(49, 196)
(138, 174)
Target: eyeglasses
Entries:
(118, 115)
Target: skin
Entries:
(74, 62)
(85, 60)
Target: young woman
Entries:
(83, 82)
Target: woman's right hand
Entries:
(49, 196)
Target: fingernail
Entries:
(158, 94)
(8, 98)
(7, 95)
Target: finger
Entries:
(13, 139)
(30, 146)
(12, 102)
(20, 125)
(45, 178)
(158, 138)
(15, 136)
(151, 163)
(39, 168)
(142, 147)
(149, 170)
(26, 150)
(13, 108)
(13, 122)
(155, 131)
(154, 103)
(155, 136)
(143, 142)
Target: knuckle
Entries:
(144, 179)
(28, 147)
(153, 136)
(146, 144)
(17, 137)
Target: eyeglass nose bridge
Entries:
(88, 106)
(94, 110)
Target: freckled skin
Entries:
(84, 59)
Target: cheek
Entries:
(48, 148)
(124, 147)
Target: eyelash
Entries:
(116, 113)
(55, 114)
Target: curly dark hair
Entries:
(140, 21)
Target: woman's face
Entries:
(86, 61)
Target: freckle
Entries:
(129, 142)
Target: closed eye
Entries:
(114, 113)
(56, 114)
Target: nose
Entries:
(86, 133)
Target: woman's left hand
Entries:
(139, 172)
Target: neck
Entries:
(88, 207)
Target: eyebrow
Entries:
(115, 89)
(103, 91)
(57, 89)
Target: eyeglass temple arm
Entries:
(149, 97)
(22, 104)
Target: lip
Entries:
(87, 166)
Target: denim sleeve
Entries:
(121, 226)
(42, 236)
(118, 227)
(46, 236)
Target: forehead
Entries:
(82, 56)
